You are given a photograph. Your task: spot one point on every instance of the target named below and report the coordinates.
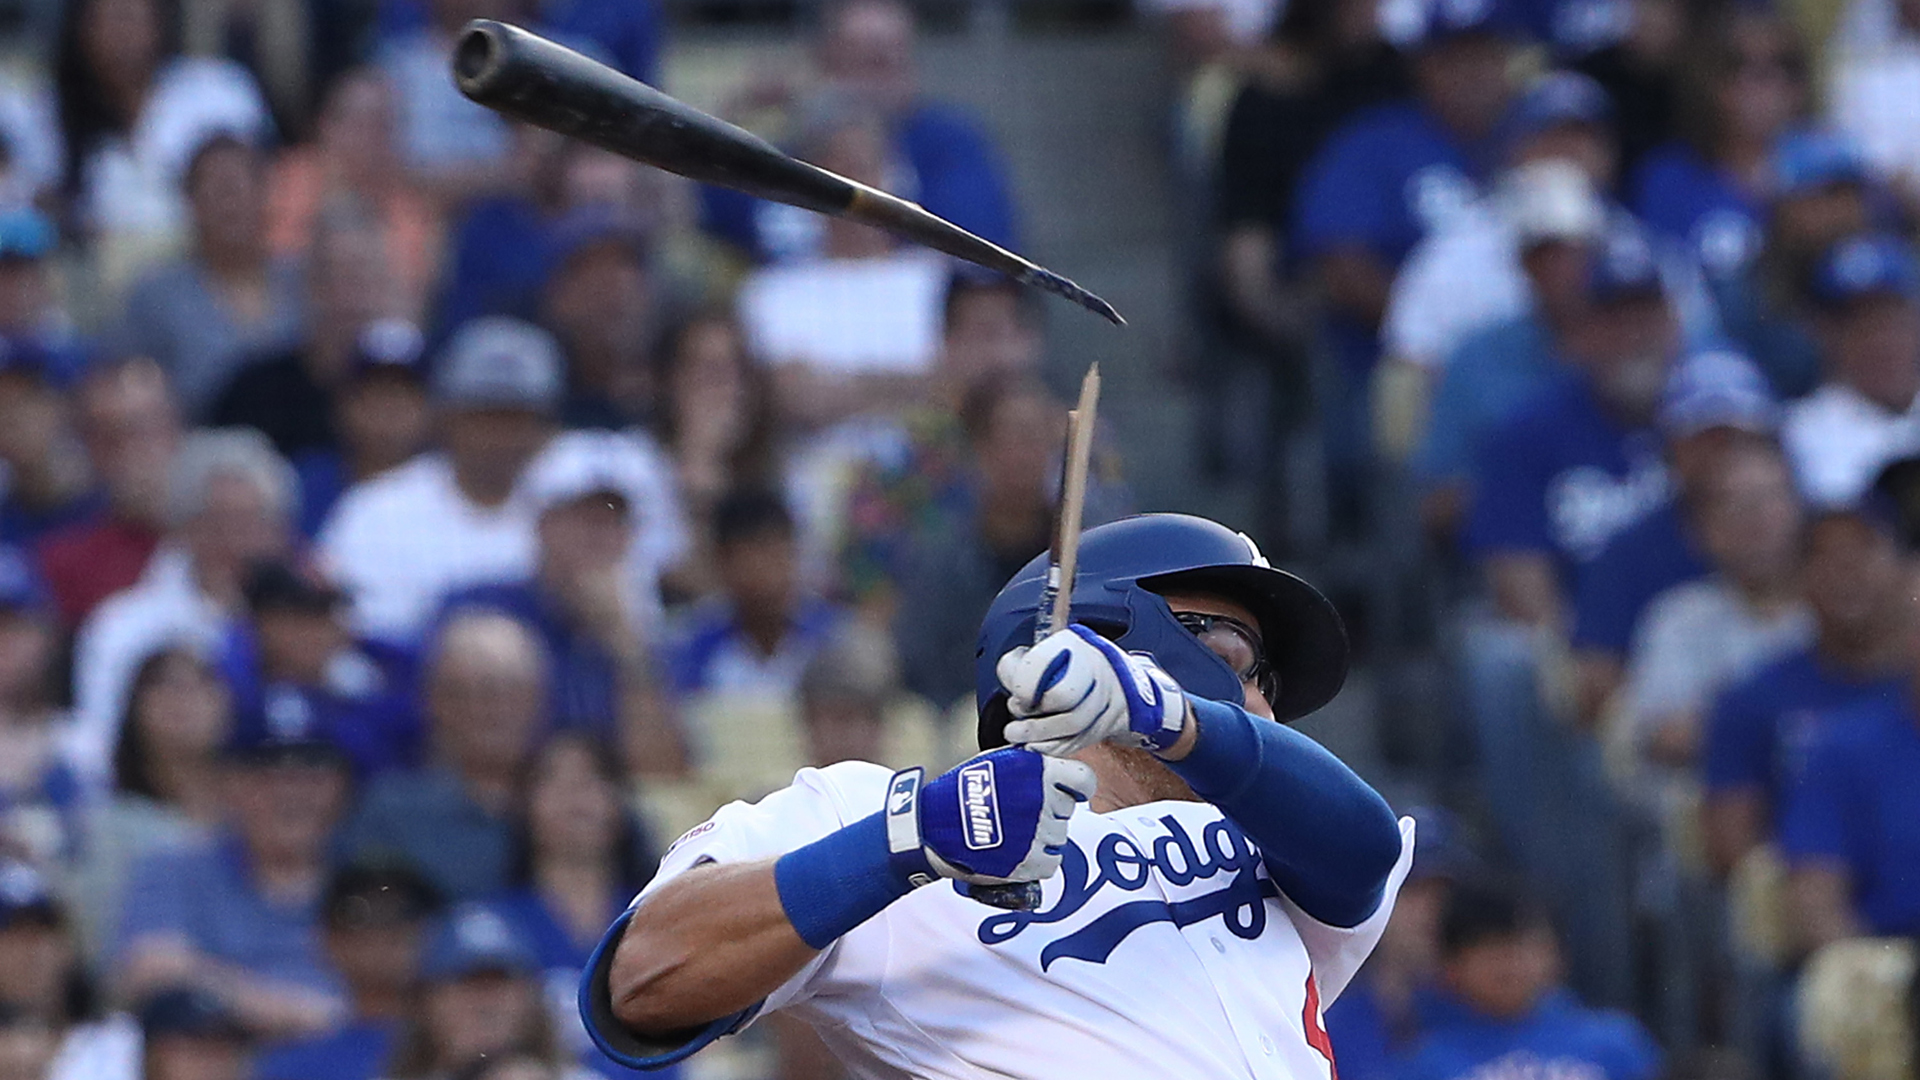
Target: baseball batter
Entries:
(1211, 878)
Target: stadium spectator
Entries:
(452, 148)
(293, 656)
(48, 481)
(1715, 402)
(401, 540)
(1561, 117)
(1698, 637)
(1493, 371)
(1531, 530)
(230, 502)
(589, 493)
(865, 55)
(853, 328)
(165, 781)
(1821, 196)
(1758, 730)
(599, 301)
(989, 325)
(494, 263)
(32, 308)
(845, 693)
(203, 315)
(26, 1045)
(582, 858)
(958, 561)
(1867, 409)
(484, 694)
(41, 974)
(237, 916)
(130, 428)
(190, 1034)
(1328, 62)
(379, 419)
(132, 114)
(716, 425)
(1641, 73)
(44, 787)
(757, 635)
(1707, 189)
(481, 998)
(375, 921)
(1503, 1009)
(290, 393)
(353, 155)
(1849, 833)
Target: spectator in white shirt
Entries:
(857, 328)
(1866, 412)
(402, 540)
(231, 502)
(1875, 80)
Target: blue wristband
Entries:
(841, 880)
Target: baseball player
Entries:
(1211, 878)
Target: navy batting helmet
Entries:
(1126, 567)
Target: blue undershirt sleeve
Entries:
(1327, 838)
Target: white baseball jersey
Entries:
(1161, 949)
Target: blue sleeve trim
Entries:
(839, 881)
(624, 1046)
(1328, 839)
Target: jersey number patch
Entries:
(1317, 1030)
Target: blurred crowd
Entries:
(409, 520)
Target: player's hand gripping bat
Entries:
(528, 78)
(1056, 595)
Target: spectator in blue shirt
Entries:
(941, 158)
(1759, 730)
(294, 655)
(583, 857)
(1715, 401)
(378, 415)
(1709, 190)
(1851, 832)
(485, 696)
(1503, 1015)
(375, 921)
(757, 636)
(588, 494)
(238, 915)
(1582, 463)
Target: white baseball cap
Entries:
(578, 464)
(1553, 199)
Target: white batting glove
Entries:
(1076, 688)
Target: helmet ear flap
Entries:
(994, 718)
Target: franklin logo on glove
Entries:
(979, 807)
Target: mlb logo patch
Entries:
(979, 806)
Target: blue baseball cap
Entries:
(590, 227)
(30, 358)
(190, 1012)
(26, 234)
(472, 940)
(21, 590)
(389, 347)
(1624, 268)
(1556, 99)
(283, 728)
(1436, 22)
(1717, 388)
(1808, 159)
(1862, 266)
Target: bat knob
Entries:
(1016, 896)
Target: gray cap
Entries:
(498, 362)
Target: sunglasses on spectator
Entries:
(1236, 643)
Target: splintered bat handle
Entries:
(1018, 896)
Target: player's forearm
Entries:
(1328, 839)
(708, 945)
